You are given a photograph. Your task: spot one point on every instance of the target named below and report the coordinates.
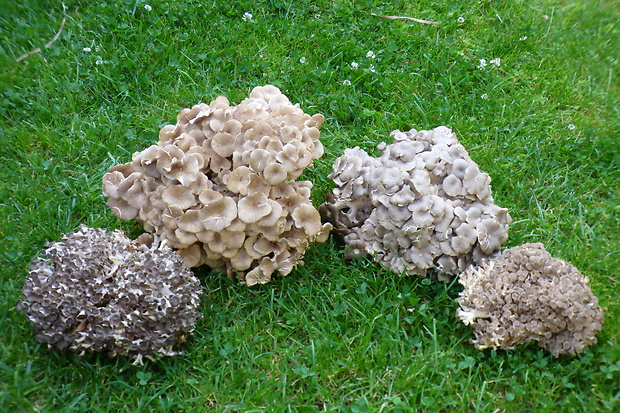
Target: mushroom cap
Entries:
(179, 196)
(239, 180)
(253, 207)
(225, 144)
(219, 214)
(209, 195)
(490, 235)
(452, 185)
(274, 173)
(191, 221)
(307, 217)
(121, 209)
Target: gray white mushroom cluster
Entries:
(218, 185)
(97, 291)
(526, 295)
(422, 204)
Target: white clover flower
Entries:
(247, 16)
(99, 62)
(87, 49)
(482, 63)
(461, 19)
(497, 62)
(372, 68)
(147, 7)
(347, 82)
(302, 60)
(355, 65)
(484, 96)
(571, 126)
(370, 54)
(522, 38)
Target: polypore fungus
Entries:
(422, 204)
(99, 291)
(220, 182)
(526, 295)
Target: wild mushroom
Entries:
(426, 186)
(97, 291)
(526, 294)
(224, 170)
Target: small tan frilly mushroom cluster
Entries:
(526, 295)
(100, 291)
(422, 204)
(219, 185)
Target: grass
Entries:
(334, 335)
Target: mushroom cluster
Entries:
(219, 185)
(422, 204)
(526, 295)
(100, 291)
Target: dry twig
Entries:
(51, 42)
(403, 18)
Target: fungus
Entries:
(525, 294)
(99, 291)
(425, 186)
(224, 175)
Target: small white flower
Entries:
(571, 126)
(247, 16)
(372, 68)
(302, 60)
(347, 82)
(482, 63)
(148, 7)
(461, 19)
(522, 38)
(497, 62)
(484, 96)
(355, 65)
(99, 62)
(87, 49)
(370, 54)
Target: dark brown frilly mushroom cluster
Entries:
(526, 295)
(100, 291)
(219, 185)
(422, 204)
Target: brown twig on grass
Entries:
(48, 44)
(403, 18)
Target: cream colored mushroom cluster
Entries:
(422, 204)
(219, 185)
(526, 295)
(96, 291)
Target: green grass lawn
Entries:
(542, 118)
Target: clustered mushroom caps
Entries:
(99, 291)
(422, 204)
(526, 295)
(218, 185)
